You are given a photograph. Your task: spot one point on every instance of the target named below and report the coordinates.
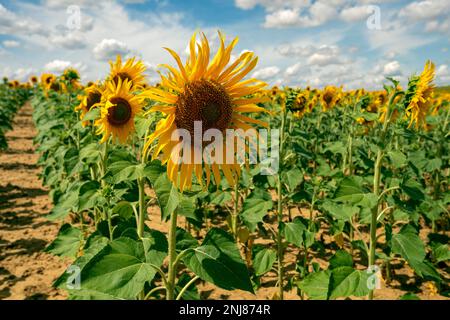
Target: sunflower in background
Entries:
(71, 76)
(212, 92)
(91, 99)
(419, 96)
(118, 108)
(131, 71)
(34, 80)
(329, 97)
(47, 79)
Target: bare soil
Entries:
(26, 272)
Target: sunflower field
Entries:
(351, 200)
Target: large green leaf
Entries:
(346, 282)
(67, 242)
(218, 261)
(316, 284)
(123, 268)
(340, 211)
(293, 232)
(351, 190)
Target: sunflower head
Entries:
(71, 75)
(117, 111)
(47, 79)
(419, 96)
(329, 97)
(131, 71)
(90, 99)
(34, 79)
(211, 92)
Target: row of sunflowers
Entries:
(360, 192)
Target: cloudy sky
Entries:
(300, 42)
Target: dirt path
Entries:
(25, 271)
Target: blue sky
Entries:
(299, 42)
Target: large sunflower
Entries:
(131, 71)
(118, 109)
(421, 92)
(91, 99)
(208, 91)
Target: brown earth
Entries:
(26, 272)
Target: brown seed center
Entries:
(205, 101)
(93, 98)
(120, 112)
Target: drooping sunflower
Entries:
(211, 92)
(91, 99)
(119, 106)
(330, 97)
(420, 96)
(131, 71)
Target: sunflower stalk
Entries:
(280, 250)
(376, 186)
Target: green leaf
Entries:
(341, 259)
(168, 196)
(264, 261)
(398, 159)
(346, 282)
(293, 232)
(124, 209)
(255, 207)
(122, 269)
(67, 242)
(408, 244)
(441, 252)
(93, 114)
(350, 190)
(220, 197)
(218, 261)
(413, 189)
(292, 178)
(409, 296)
(340, 211)
(316, 284)
(88, 196)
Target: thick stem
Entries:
(280, 242)
(172, 257)
(235, 210)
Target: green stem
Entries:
(142, 207)
(235, 210)
(191, 282)
(280, 250)
(172, 257)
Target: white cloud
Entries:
(425, 10)
(58, 66)
(353, 14)
(391, 68)
(108, 49)
(319, 13)
(10, 23)
(292, 70)
(266, 73)
(11, 44)
(72, 41)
